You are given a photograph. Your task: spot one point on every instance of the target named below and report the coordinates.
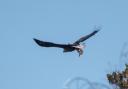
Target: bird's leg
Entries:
(80, 51)
(79, 54)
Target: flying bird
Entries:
(68, 47)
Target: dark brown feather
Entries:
(85, 37)
(49, 44)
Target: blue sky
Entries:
(24, 65)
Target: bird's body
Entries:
(68, 47)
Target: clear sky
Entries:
(24, 65)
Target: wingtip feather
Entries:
(37, 41)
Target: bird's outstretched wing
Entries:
(85, 37)
(49, 44)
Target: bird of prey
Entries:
(68, 47)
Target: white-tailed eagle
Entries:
(68, 47)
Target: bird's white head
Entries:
(82, 46)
